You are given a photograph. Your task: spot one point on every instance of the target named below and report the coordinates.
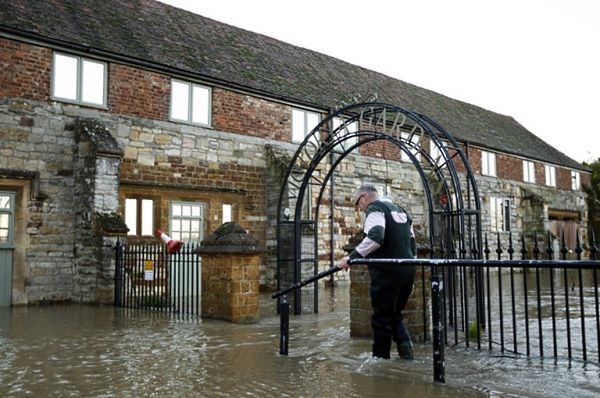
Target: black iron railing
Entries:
(146, 277)
(542, 305)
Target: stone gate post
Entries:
(230, 274)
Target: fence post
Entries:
(438, 326)
(284, 326)
(118, 273)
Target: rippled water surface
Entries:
(87, 351)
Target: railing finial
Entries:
(498, 246)
(563, 250)
(578, 248)
(523, 248)
(511, 250)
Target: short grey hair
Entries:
(365, 188)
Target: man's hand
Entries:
(344, 263)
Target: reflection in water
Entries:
(86, 351)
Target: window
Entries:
(436, 153)
(550, 172)
(227, 213)
(79, 80)
(347, 129)
(7, 200)
(294, 184)
(575, 180)
(187, 221)
(415, 151)
(139, 216)
(302, 123)
(190, 103)
(488, 164)
(500, 214)
(528, 171)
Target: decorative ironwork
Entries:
(451, 197)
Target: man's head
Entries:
(364, 196)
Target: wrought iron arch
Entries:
(448, 182)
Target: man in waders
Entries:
(388, 233)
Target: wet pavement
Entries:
(89, 351)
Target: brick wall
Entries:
(381, 149)
(244, 114)
(24, 70)
(475, 160)
(210, 185)
(540, 174)
(586, 179)
(138, 92)
(509, 168)
(563, 178)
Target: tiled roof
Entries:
(152, 32)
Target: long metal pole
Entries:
(437, 287)
(284, 326)
(306, 281)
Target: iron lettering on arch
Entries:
(449, 196)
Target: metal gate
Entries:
(538, 304)
(452, 198)
(7, 225)
(146, 277)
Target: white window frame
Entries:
(575, 180)
(7, 222)
(349, 128)
(528, 171)
(488, 163)
(80, 82)
(226, 213)
(436, 153)
(500, 214)
(139, 216)
(303, 122)
(186, 226)
(192, 103)
(415, 140)
(550, 175)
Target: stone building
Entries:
(135, 113)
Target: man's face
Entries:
(361, 202)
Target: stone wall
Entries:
(34, 139)
(416, 315)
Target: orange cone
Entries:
(173, 246)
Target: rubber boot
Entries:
(405, 350)
(381, 346)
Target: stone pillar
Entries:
(230, 275)
(360, 301)
(361, 311)
(97, 160)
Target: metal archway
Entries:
(449, 186)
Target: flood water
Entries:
(89, 351)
